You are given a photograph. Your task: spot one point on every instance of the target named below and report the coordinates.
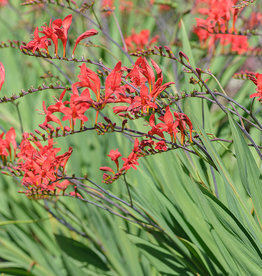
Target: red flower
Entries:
(108, 6)
(113, 81)
(61, 28)
(62, 186)
(155, 130)
(161, 145)
(139, 74)
(56, 30)
(114, 155)
(107, 169)
(139, 41)
(254, 20)
(162, 7)
(37, 43)
(183, 120)
(76, 110)
(2, 75)
(155, 87)
(40, 164)
(168, 124)
(143, 102)
(5, 144)
(50, 33)
(49, 115)
(85, 35)
(90, 79)
(131, 160)
(257, 80)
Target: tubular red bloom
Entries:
(143, 102)
(91, 80)
(107, 169)
(76, 109)
(169, 125)
(155, 130)
(155, 87)
(37, 43)
(2, 75)
(49, 115)
(58, 29)
(131, 160)
(114, 155)
(257, 80)
(162, 7)
(183, 120)
(5, 144)
(86, 34)
(61, 28)
(50, 33)
(113, 81)
(139, 74)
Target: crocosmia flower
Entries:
(5, 144)
(114, 155)
(40, 164)
(257, 80)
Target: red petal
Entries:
(152, 120)
(67, 22)
(85, 35)
(168, 117)
(107, 169)
(113, 80)
(62, 95)
(157, 68)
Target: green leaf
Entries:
(250, 174)
(15, 272)
(80, 252)
(160, 257)
(186, 45)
